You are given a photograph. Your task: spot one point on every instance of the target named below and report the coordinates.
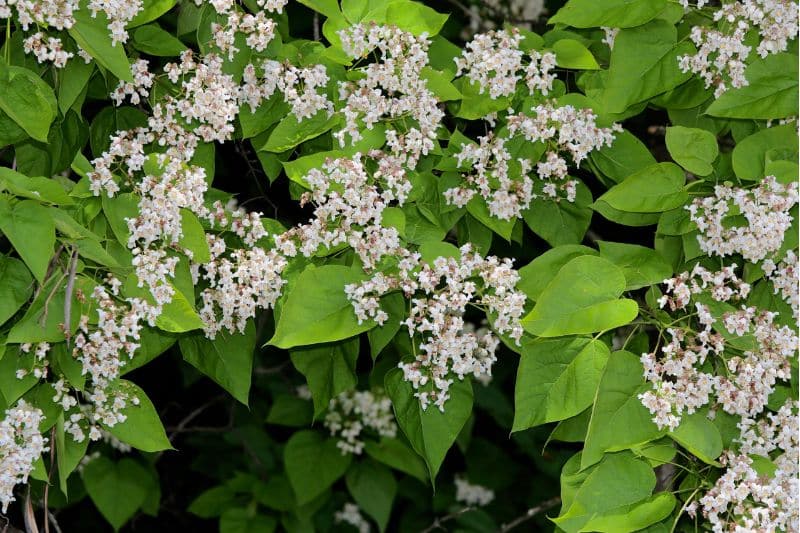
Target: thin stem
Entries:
(437, 523)
(530, 513)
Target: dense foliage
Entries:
(387, 265)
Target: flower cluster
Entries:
(722, 51)
(785, 278)
(392, 90)
(765, 208)
(754, 351)
(354, 412)
(503, 181)
(440, 292)
(349, 208)
(759, 500)
(470, 494)
(494, 61)
(351, 514)
(300, 87)
(46, 49)
(140, 88)
(20, 445)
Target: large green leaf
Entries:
(373, 488)
(396, 454)
(240, 520)
(535, 276)
(634, 517)
(35, 188)
(228, 359)
(556, 379)
(290, 132)
(317, 309)
(749, 158)
(68, 453)
(644, 63)
(151, 10)
(313, 463)
(142, 427)
(92, 34)
(611, 13)
(561, 222)
(771, 91)
(330, 369)
(700, 436)
(32, 232)
(572, 54)
(430, 431)
(642, 266)
(616, 482)
(117, 489)
(28, 100)
(582, 298)
(651, 190)
(619, 420)
(692, 148)
(16, 286)
(626, 155)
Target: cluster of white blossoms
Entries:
(46, 49)
(765, 208)
(750, 351)
(440, 292)
(353, 413)
(759, 489)
(504, 182)
(392, 90)
(351, 514)
(470, 494)
(300, 87)
(722, 51)
(494, 61)
(21, 444)
(349, 203)
(139, 88)
(259, 30)
(785, 277)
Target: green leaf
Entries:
(288, 410)
(373, 488)
(142, 428)
(227, 359)
(644, 63)
(556, 379)
(35, 188)
(91, 33)
(582, 298)
(654, 189)
(290, 132)
(626, 155)
(619, 480)
(213, 502)
(749, 158)
(634, 517)
(561, 222)
(395, 306)
(642, 266)
(474, 104)
(430, 431)
(693, 149)
(239, 520)
(16, 286)
(700, 436)
(11, 360)
(317, 309)
(330, 369)
(329, 8)
(194, 237)
(619, 420)
(32, 232)
(409, 16)
(28, 100)
(572, 54)
(480, 211)
(153, 40)
(396, 454)
(68, 453)
(117, 209)
(535, 276)
(624, 217)
(74, 79)
(151, 10)
(612, 13)
(771, 91)
(117, 489)
(313, 464)
(439, 84)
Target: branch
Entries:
(533, 511)
(437, 523)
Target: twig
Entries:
(52, 519)
(530, 513)
(30, 518)
(437, 523)
(73, 267)
(194, 414)
(271, 369)
(316, 26)
(47, 485)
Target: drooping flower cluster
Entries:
(392, 90)
(440, 292)
(47, 49)
(722, 51)
(20, 445)
(471, 494)
(494, 61)
(765, 208)
(504, 182)
(759, 489)
(351, 514)
(139, 88)
(750, 352)
(300, 87)
(353, 413)
(349, 208)
(785, 278)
